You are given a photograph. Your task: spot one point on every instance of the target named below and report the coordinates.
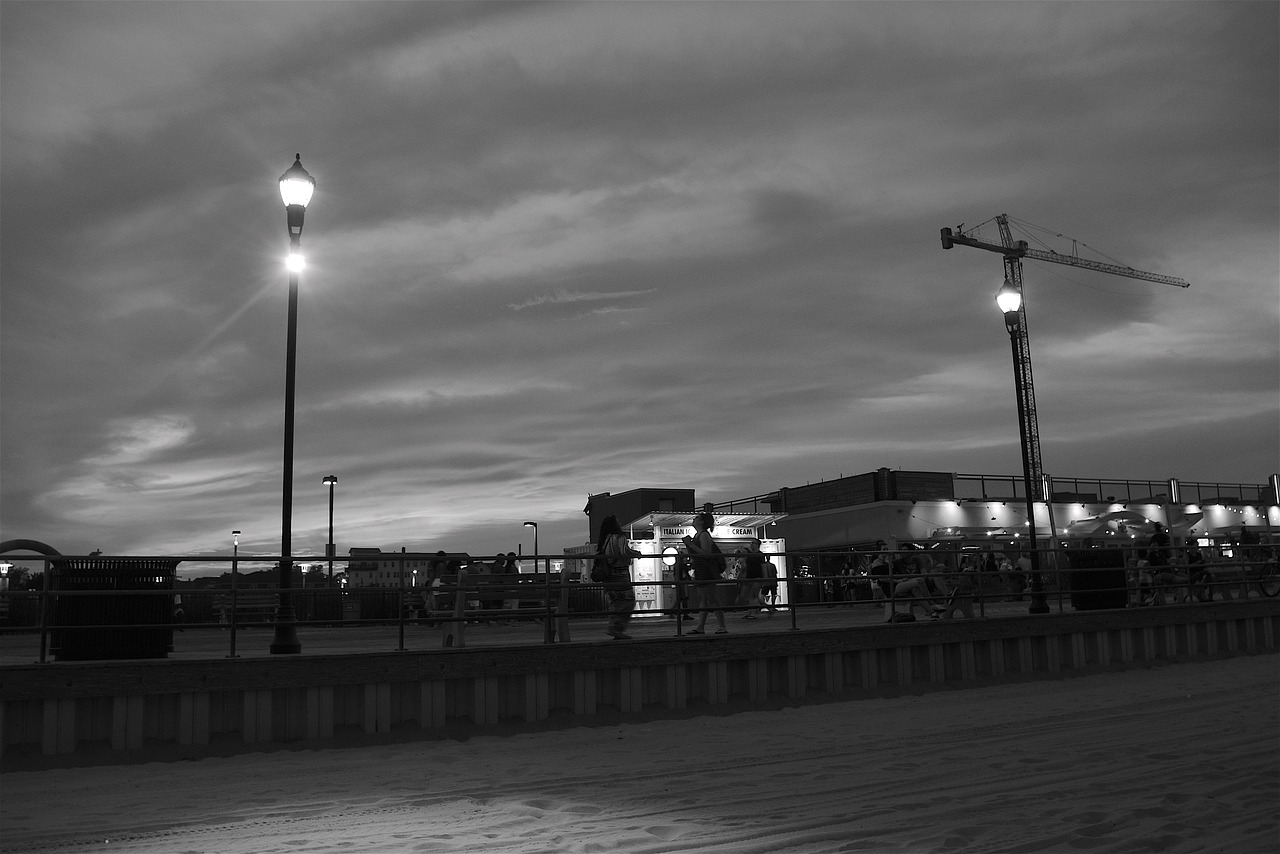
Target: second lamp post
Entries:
(296, 187)
(331, 481)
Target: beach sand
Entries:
(1173, 758)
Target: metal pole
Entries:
(235, 560)
(333, 487)
(1039, 605)
(286, 635)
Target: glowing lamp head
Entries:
(1009, 298)
(296, 185)
(294, 262)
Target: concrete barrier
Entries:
(69, 713)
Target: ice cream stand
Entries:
(658, 536)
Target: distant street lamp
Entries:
(331, 481)
(235, 561)
(296, 187)
(1009, 299)
(534, 525)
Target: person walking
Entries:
(708, 567)
(619, 591)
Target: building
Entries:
(935, 509)
(376, 568)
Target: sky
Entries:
(571, 248)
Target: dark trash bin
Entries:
(112, 608)
(1097, 579)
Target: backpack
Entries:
(722, 563)
(600, 569)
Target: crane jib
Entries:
(1022, 250)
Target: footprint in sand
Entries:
(665, 832)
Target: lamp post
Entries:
(1009, 299)
(235, 561)
(331, 481)
(534, 525)
(296, 187)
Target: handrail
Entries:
(550, 598)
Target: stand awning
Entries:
(657, 521)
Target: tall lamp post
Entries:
(1009, 299)
(534, 525)
(331, 481)
(296, 187)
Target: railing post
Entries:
(44, 609)
(792, 589)
(549, 621)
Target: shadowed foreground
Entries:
(1176, 758)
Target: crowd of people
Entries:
(712, 585)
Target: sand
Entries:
(1174, 758)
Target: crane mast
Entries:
(1025, 387)
(1013, 252)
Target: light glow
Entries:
(296, 185)
(1008, 298)
(295, 262)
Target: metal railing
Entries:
(73, 623)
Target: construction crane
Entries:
(1016, 323)
(1014, 251)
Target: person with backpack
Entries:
(613, 570)
(708, 567)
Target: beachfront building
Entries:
(930, 509)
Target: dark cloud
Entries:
(567, 248)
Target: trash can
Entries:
(1097, 579)
(350, 609)
(114, 608)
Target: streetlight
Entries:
(534, 525)
(331, 481)
(1009, 299)
(235, 561)
(296, 187)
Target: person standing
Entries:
(619, 591)
(751, 579)
(708, 567)
(769, 588)
(511, 577)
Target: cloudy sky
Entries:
(570, 248)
